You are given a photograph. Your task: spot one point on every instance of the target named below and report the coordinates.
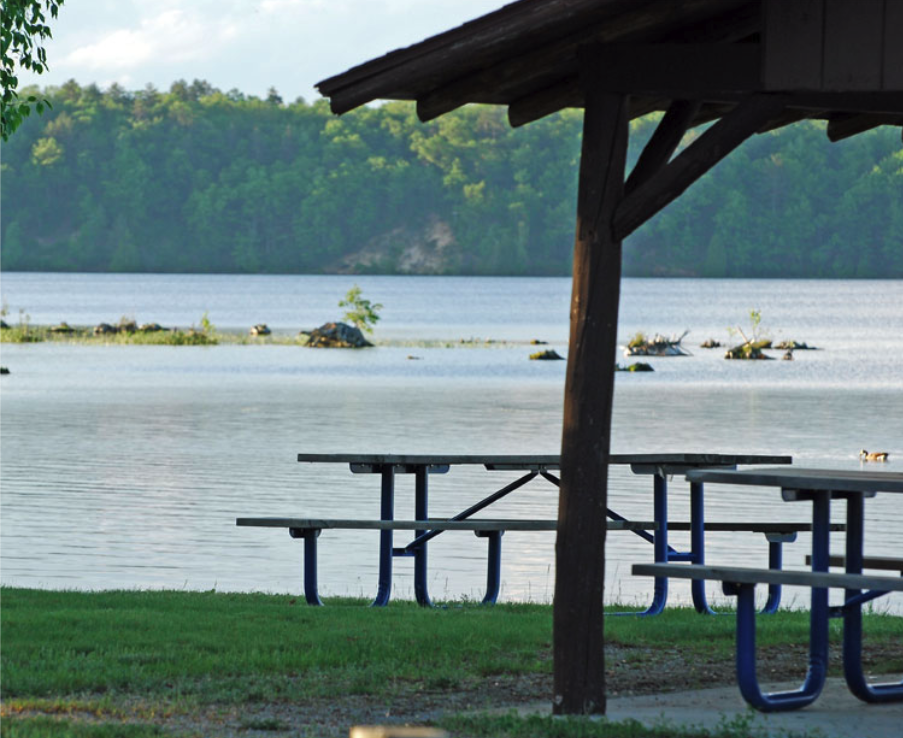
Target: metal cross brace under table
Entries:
(820, 487)
(660, 466)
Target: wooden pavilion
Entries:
(746, 66)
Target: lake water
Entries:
(126, 466)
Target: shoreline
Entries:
(193, 336)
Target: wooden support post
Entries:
(579, 639)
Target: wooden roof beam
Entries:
(558, 57)
(800, 105)
(851, 102)
(567, 94)
(723, 72)
(844, 126)
(677, 71)
(564, 94)
(662, 71)
(694, 161)
(787, 118)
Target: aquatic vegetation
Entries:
(126, 331)
(753, 345)
(361, 313)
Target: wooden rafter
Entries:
(508, 32)
(563, 94)
(844, 126)
(540, 66)
(568, 95)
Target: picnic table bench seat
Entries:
(885, 563)
(739, 575)
(741, 581)
(309, 529)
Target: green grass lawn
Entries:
(128, 659)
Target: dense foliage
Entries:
(197, 180)
(23, 30)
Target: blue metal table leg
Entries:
(310, 536)
(818, 630)
(697, 546)
(852, 618)
(493, 564)
(386, 512)
(776, 562)
(697, 555)
(660, 515)
(421, 503)
(661, 551)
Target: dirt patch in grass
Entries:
(630, 671)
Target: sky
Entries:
(250, 45)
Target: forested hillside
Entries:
(197, 180)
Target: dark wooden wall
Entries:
(833, 45)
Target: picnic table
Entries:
(421, 466)
(820, 487)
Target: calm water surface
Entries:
(125, 466)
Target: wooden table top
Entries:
(813, 480)
(540, 461)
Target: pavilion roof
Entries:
(832, 59)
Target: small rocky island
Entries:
(336, 335)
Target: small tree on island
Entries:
(361, 312)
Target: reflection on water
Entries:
(126, 466)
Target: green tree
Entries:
(46, 152)
(126, 257)
(23, 29)
(361, 312)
